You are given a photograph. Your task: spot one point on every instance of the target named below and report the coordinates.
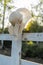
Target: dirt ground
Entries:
(38, 60)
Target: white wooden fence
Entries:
(33, 36)
(15, 59)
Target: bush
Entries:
(24, 49)
(33, 27)
(39, 52)
(5, 31)
(32, 50)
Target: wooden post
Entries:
(16, 46)
(17, 21)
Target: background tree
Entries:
(38, 10)
(37, 14)
(35, 27)
(4, 7)
(4, 4)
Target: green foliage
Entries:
(5, 31)
(25, 49)
(39, 11)
(0, 15)
(0, 0)
(4, 4)
(33, 50)
(8, 0)
(10, 7)
(35, 27)
(39, 52)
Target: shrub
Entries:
(5, 30)
(31, 50)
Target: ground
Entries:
(38, 60)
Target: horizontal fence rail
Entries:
(25, 37)
(6, 37)
(32, 37)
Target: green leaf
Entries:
(10, 7)
(8, 0)
(0, 15)
(0, 0)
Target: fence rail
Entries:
(32, 37)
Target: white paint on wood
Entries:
(32, 37)
(7, 37)
(15, 57)
(16, 49)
